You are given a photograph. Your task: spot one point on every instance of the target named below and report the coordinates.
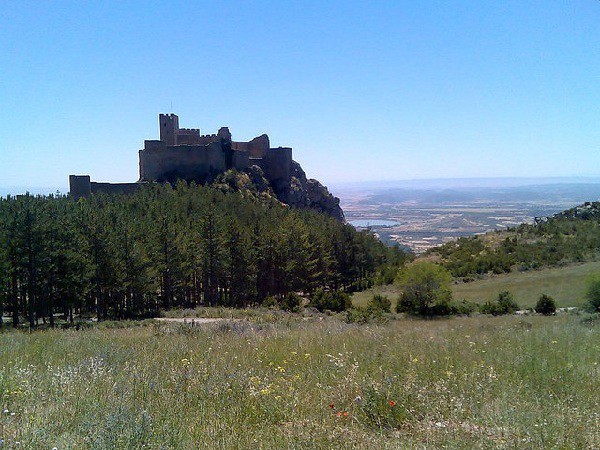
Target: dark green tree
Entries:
(545, 305)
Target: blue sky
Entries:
(360, 90)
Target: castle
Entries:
(183, 153)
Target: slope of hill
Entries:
(567, 237)
(563, 249)
(566, 285)
(427, 214)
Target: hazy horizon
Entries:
(411, 184)
(466, 182)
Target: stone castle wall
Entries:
(187, 162)
(82, 186)
(257, 147)
(278, 163)
(183, 153)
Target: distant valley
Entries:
(421, 214)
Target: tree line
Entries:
(126, 257)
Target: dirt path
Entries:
(193, 320)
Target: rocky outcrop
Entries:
(302, 192)
(297, 191)
(322, 200)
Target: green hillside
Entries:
(565, 284)
(568, 237)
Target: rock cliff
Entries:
(309, 193)
(298, 191)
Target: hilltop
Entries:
(185, 154)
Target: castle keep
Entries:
(183, 153)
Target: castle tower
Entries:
(224, 133)
(169, 127)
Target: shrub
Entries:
(441, 308)
(463, 308)
(381, 303)
(507, 302)
(291, 302)
(545, 305)
(504, 304)
(364, 314)
(425, 289)
(406, 303)
(593, 294)
(490, 308)
(269, 302)
(336, 301)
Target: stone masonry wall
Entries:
(187, 162)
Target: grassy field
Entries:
(566, 285)
(479, 382)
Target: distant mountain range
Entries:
(454, 183)
(558, 192)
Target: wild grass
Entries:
(467, 383)
(254, 314)
(567, 285)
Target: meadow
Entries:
(567, 285)
(289, 381)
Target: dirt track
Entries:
(193, 320)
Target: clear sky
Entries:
(362, 90)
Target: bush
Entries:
(507, 302)
(269, 302)
(504, 304)
(463, 308)
(363, 315)
(336, 301)
(593, 294)
(425, 289)
(373, 312)
(545, 305)
(291, 302)
(490, 308)
(381, 303)
(441, 308)
(405, 303)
